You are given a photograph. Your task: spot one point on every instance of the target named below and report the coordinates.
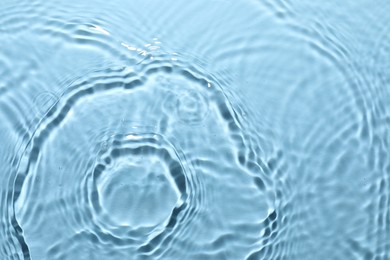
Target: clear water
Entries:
(218, 129)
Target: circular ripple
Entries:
(136, 185)
(192, 107)
(114, 162)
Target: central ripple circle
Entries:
(138, 183)
(137, 191)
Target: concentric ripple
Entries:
(116, 159)
(194, 130)
(137, 187)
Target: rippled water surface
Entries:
(219, 129)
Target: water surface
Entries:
(194, 129)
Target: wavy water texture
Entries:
(194, 130)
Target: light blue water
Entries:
(218, 129)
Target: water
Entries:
(194, 129)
